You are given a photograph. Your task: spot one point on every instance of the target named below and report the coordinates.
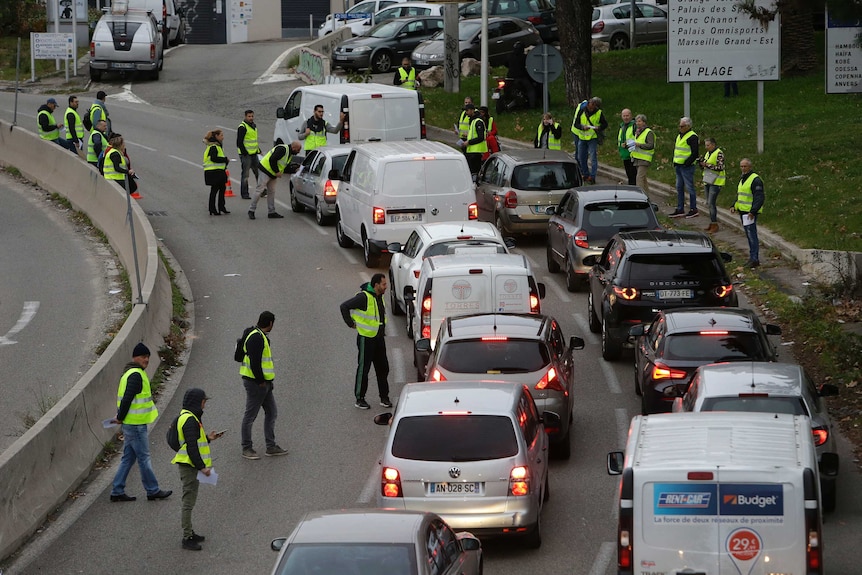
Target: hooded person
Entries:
(193, 457)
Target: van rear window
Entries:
(413, 177)
(491, 357)
(122, 29)
(455, 438)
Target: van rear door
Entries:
(385, 117)
(511, 293)
(460, 294)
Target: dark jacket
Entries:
(480, 131)
(240, 138)
(192, 401)
(757, 192)
(254, 350)
(542, 141)
(215, 177)
(278, 153)
(359, 301)
(134, 385)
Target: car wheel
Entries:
(381, 62)
(393, 299)
(154, 75)
(498, 221)
(340, 236)
(611, 350)
(411, 312)
(547, 489)
(595, 326)
(638, 390)
(644, 408)
(553, 266)
(619, 42)
(533, 539)
(295, 206)
(563, 449)
(372, 258)
(95, 75)
(829, 494)
(573, 282)
(321, 218)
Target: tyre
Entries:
(553, 266)
(547, 494)
(595, 326)
(341, 237)
(393, 299)
(321, 218)
(154, 75)
(371, 257)
(498, 221)
(411, 312)
(619, 42)
(95, 75)
(381, 62)
(829, 494)
(573, 282)
(638, 391)
(563, 449)
(295, 206)
(611, 350)
(533, 538)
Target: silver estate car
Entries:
(474, 452)
(773, 388)
(376, 542)
(313, 185)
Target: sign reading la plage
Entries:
(715, 41)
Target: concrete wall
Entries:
(53, 456)
(265, 23)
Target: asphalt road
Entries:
(237, 268)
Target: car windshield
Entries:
(791, 405)
(385, 30)
(467, 30)
(678, 266)
(457, 246)
(607, 218)
(455, 438)
(348, 558)
(545, 176)
(709, 348)
(494, 357)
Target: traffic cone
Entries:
(228, 193)
(136, 196)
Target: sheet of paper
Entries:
(747, 219)
(107, 423)
(210, 479)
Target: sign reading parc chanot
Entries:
(714, 41)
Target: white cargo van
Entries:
(467, 283)
(373, 113)
(388, 188)
(708, 493)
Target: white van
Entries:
(467, 283)
(387, 188)
(373, 113)
(719, 493)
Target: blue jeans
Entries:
(591, 148)
(753, 243)
(685, 179)
(136, 446)
(712, 192)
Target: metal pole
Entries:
(483, 83)
(132, 229)
(632, 25)
(74, 42)
(311, 25)
(57, 26)
(545, 102)
(686, 97)
(32, 58)
(17, 84)
(760, 116)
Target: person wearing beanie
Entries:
(193, 457)
(135, 410)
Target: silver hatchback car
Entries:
(473, 452)
(313, 185)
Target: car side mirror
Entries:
(394, 248)
(334, 174)
(827, 390)
(542, 290)
(772, 329)
(279, 113)
(423, 345)
(654, 207)
(476, 40)
(726, 257)
(383, 418)
(576, 342)
(470, 544)
(591, 260)
(277, 544)
(616, 461)
(637, 330)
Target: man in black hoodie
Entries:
(366, 312)
(193, 457)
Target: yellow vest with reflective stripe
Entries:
(369, 321)
(553, 142)
(681, 150)
(710, 158)
(744, 197)
(408, 80)
(592, 120)
(482, 146)
(51, 134)
(92, 157)
(315, 140)
(79, 126)
(208, 163)
(104, 115)
(266, 364)
(143, 409)
(282, 163)
(626, 133)
(108, 167)
(464, 124)
(182, 455)
(249, 140)
(640, 154)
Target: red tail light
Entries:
(627, 293)
(473, 211)
(624, 545)
(378, 215)
(92, 49)
(821, 435)
(390, 486)
(426, 317)
(534, 19)
(345, 128)
(329, 191)
(152, 51)
(660, 371)
(535, 307)
(598, 27)
(437, 376)
(510, 200)
(519, 482)
(723, 291)
(501, 83)
(581, 239)
(416, 274)
(551, 381)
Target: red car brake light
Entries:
(426, 317)
(550, 381)
(626, 293)
(821, 435)
(501, 83)
(390, 485)
(519, 482)
(378, 215)
(723, 291)
(329, 190)
(660, 371)
(510, 200)
(473, 211)
(598, 27)
(581, 239)
(437, 376)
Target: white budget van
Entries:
(467, 283)
(709, 493)
(388, 188)
(373, 113)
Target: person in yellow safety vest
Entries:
(316, 128)
(750, 197)
(366, 312)
(49, 128)
(588, 129)
(686, 151)
(626, 135)
(97, 143)
(99, 111)
(248, 148)
(474, 144)
(273, 164)
(215, 163)
(192, 458)
(642, 151)
(462, 126)
(258, 377)
(74, 125)
(405, 76)
(490, 132)
(116, 164)
(714, 177)
(548, 134)
(135, 410)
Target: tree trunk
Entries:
(574, 18)
(797, 38)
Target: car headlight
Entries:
(362, 49)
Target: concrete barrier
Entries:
(52, 457)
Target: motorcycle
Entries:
(510, 94)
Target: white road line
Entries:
(141, 146)
(610, 377)
(623, 421)
(555, 286)
(270, 77)
(584, 327)
(185, 161)
(128, 96)
(603, 558)
(30, 309)
(369, 491)
(226, 129)
(312, 223)
(348, 254)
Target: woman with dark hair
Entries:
(215, 163)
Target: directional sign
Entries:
(352, 16)
(52, 45)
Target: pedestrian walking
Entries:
(714, 177)
(97, 143)
(474, 144)
(366, 312)
(74, 126)
(685, 152)
(248, 148)
(215, 176)
(750, 197)
(116, 164)
(642, 151)
(588, 127)
(135, 410)
(273, 164)
(193, 456)
(490, 132)
(405, 76)
(316, 129)
(258, 376)
(626, 137)
(99, 111)
(49, 127)
(549, 133)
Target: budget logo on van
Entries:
(684, 499)
(746, 499)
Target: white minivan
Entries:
(719, 492)
(388, 188)
(373, 113)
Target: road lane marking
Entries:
(185, 161)
(312, 223)
(606, 553)
(610, 376)
(30, 309)
(141, 146)
(128, 96)
(623, 421)
(589, 337)
(554, 285)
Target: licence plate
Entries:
(495, 96)
(455, 488)
(123, 65)
(675, 294)
(541, 210)
(402, 218)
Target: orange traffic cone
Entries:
(136, 196)
(228, 193)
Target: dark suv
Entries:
(640, 273)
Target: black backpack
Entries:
(87, 121)
(239, 351)
(173, 434)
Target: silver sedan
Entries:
(313, 185)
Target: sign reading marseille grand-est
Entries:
(715, 41)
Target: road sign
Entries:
(543, 59)
(52, 45)
(353, 16)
